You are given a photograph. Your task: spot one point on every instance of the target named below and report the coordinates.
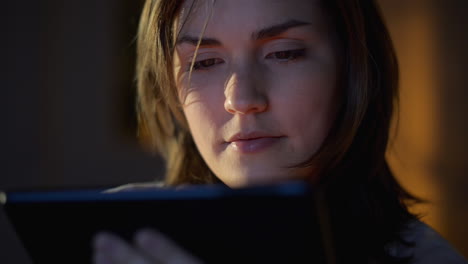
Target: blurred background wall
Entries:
(68, 104)
(68, 99)
(429, 152)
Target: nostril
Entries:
(253, 105)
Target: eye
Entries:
(206, 64)
(286, 55)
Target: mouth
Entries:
(254, 142)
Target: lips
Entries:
(253, 142)
(250, 136)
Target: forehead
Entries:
(238, 16)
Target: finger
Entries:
(110, 249)
(163, 249)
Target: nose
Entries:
(244, 94)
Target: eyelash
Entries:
(198, 65)
(291, 55)
(283, 56)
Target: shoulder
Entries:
(429, 246)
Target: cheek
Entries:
(204, 118)
(200, 120)
(203, 105)
(202, 88)
(199, 127)
(307, 109)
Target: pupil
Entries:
(283, 55)
(207, 63)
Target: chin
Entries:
(240, 181)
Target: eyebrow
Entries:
(265, 33)
(276, 30)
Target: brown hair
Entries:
(352, 158)
(162, 123)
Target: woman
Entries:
(246, 92)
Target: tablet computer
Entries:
(269, 224)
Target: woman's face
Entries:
(262, 94)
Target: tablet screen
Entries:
(269, 224)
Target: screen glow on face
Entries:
(261, 96)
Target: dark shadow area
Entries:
(452, 169)
(69, 112)
(68, 100)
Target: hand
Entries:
(149, 247)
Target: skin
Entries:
(276, 91)
(280, 86)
